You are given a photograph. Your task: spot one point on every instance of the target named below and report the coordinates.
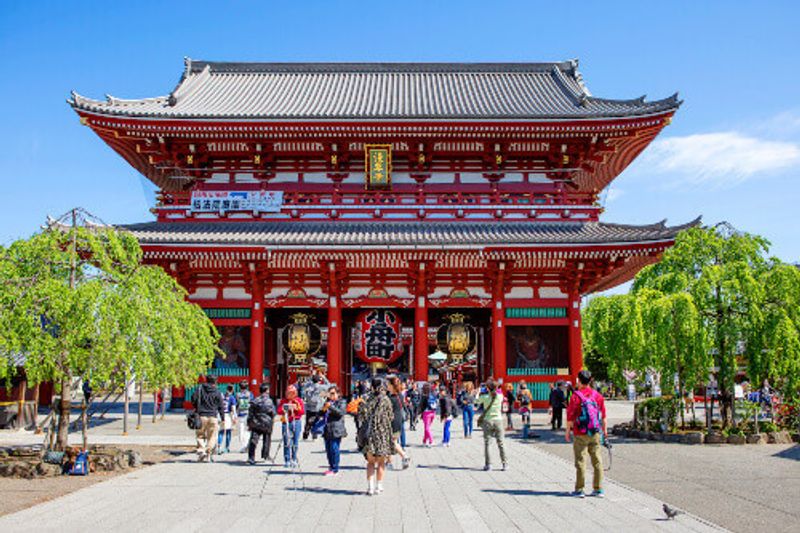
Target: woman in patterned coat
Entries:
(379, 445)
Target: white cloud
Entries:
(613, 194)
(721, 158)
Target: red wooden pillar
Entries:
(421, 347)
(257, 336)
(574, 336)
(335, 352)
(499, 369)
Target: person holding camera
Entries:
(335, 408)
(291, 409)
(315, 395)
(260, 418)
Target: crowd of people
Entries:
(382, 408)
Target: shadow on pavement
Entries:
(792, 453)
(325, 490)
(528, 492)
(447, 467)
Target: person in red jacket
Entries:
(586, 419)
(291, 409)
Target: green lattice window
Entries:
(226, 312)
(536, 312)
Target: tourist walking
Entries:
(291, 409)
(491, 421)
(375, 436)
(208, 403)
(260, 419)
(395, 389)
(428, 403)
(228, 420)
(334, 409)
(586, 419)
(314, 396)
(508, 406)
(447, 408)
(557, 402)
(525, 402)
(468, 408)
(414, 400)
(243, 399)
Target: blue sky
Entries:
(732, 152)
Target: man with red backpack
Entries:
(586, 419)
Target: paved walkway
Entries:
(445, 490)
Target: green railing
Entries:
(536, 312)
(226, 312)
(532, 371)
(229, 372)
(539, 391)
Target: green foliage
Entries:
(657, 410)
(715, 298)
(76, 301)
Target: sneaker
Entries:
(406, 462)
(251, 461)
(329, 473)
(486, 468)
(370, 491)
(295, 464)
(505, 467)
(390, 466)
(287, 464)
(379, 488)
(201, 457)
(579, 494)
(599, 493)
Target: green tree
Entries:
(76, 300)
(720, 268)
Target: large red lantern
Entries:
(377, 337)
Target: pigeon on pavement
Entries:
(670, 512)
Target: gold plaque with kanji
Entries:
(378, 164)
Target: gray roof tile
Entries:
(334, 91)
(428, 234)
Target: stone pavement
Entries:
(445, 490)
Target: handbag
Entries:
(81, 465)
(319, 425)
(193, 417)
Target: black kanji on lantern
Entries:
(380, 336)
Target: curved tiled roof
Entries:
(399, 234)
(366, 91)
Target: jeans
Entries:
(581, 445)
(493, 429)
(446, 434)
(427, 421)
(403, 435)
(468, 413)
(290, 442)
(227, 434)
(255, 436)
(332, 451)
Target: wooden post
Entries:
(421, 348)
(499, 369)
(23, 386)
(125, 407)
(84, 425)
(141, 403)
(36, 410)
(256, 371)
(155, 404)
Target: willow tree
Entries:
(773, 348)
(721, 269)
(612, 327)
(76, 300)
(676, 339)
